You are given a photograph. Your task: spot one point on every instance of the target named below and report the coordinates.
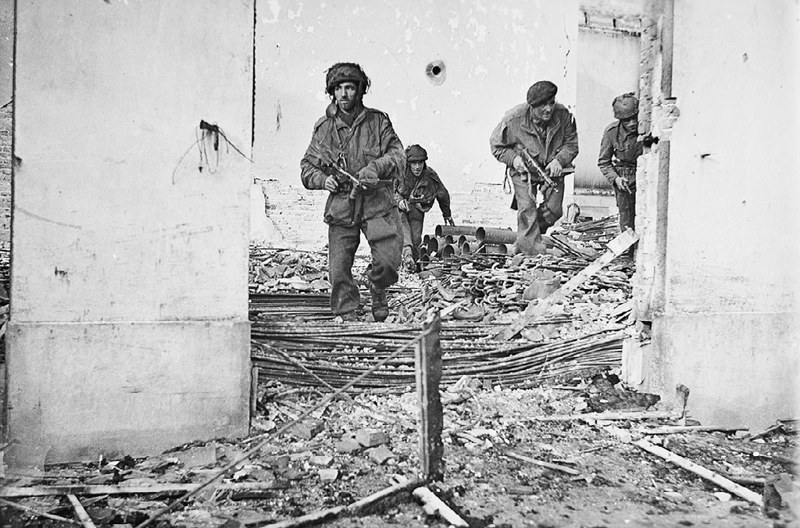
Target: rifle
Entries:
(347, 182)
(534, 167)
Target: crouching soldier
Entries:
(355, 155)
(416, 193)
(619, 150)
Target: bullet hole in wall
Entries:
(436, 72)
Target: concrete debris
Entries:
(328, 475)
(307, 429)
(380, 454)
(371, 437)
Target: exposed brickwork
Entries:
(296, 212)
(5, 175)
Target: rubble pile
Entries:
(297, 341)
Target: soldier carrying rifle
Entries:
(537, 142)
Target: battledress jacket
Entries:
(424, 190)
(370, 142)
(619, 150)
(517, 128)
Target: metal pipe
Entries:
(442, 230)
(495, 235)
(470, 239)
(494, 249)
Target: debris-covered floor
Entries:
(538, 430)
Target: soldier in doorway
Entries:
(619, 150)
(416, 193)
(537, 142)
(355, 155)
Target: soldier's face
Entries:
(631, 125)
(544, 111)
(346, 95)
(416, 167)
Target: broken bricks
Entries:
(371, 437)
(307, 429)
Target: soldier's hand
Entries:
(519, 165)
(331, 184)
(448, 220)
(622, 184)
(368, 177)
(554, 168)
(403, 205)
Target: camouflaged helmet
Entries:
(345, 72)
(625, 106)
(416, 153)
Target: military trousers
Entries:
(385, 237)
(533, 220)
(413, 222)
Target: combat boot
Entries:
(380, 307)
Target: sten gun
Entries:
(534, 167)
(347, 182)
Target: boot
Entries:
(380, 308)
(408, 260)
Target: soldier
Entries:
(417, 190)
(355, 155)
(619, 149)
(540, 133)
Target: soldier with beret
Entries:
(619, 149)
(416, 192)
(353, 142)
(547, 132)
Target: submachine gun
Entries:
(535, 169)
(346, 181)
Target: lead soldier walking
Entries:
(355, 155)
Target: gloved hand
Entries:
(448, 220)
(402, 204)
(368, 177)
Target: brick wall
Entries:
(5, 175)
(294, 214)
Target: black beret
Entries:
(541, 92)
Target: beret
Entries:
(541, 92)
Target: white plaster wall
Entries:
(128, 330)
(732, 243)
(492, 52)
(608, 65)
(729, 330)
(109, 200)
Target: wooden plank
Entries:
(537, 308)
(86, 521)
(542, 463)
(633, 415)
(79, 489)
(674, 429)
(331, 513)
(699, 470)
(433, 505)
(36, 512)
(428, 364)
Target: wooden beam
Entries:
(79, 489)
(86, 521)
(719, 480)
(36, 512)
(537, 308)
(433, 505)
(428, 363)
